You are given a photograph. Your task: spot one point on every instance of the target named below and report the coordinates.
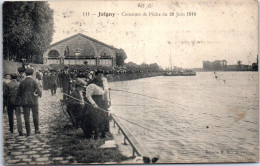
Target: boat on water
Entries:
(180, 73)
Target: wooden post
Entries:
(125, 141)
(133, 152)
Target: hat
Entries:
(14, 75)
(66, 67)
(53, 70)
(21, 69)
(29, 71)
(107, 72)
(99, 71)
(80, 83)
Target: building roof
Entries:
(85, 36)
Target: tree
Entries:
(207, 65)
(239, 64)
(154, 66)
(255, 67)
(120, 57)
(27, 30)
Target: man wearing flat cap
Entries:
(28, 93)
(13, 105)
(76, 103)
(20, 76)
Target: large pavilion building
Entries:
(78, 49)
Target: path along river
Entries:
(212, 117)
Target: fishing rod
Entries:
(146, 159)
(115, 115)
(135, 105)
(119, 90)
(107, 112)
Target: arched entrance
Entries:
(54, 57)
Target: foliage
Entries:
(120, 57)
(215, 65)
(255, 67)
(27, 30)
(153, 66)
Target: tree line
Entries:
(27, 30)
(143, 66)
(215, 65)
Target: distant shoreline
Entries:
(132, 76)
(229, 71)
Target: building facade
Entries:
(79, 49)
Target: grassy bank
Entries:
(69, 142)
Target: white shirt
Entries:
(93, 89)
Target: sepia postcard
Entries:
(130, 82)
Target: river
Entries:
(211, 117)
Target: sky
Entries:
(220, 30)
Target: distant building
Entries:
(217, 65)
(221, 65)
(80, 49)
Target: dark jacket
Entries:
(11, 91)
(53, 80)
(65, 80)
(20, 78)
(28, 92)
(74, 94)
(97, 82)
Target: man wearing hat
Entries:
(28, 93)
(75, 103)
(53, 81)
(7, 79)
(45, 79)
(65, 82)
(13, 105)
(20, 76)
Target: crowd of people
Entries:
(20, 94)
(85, 95)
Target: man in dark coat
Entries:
(76, 103)
(6, 80)
(53, 82)
(45, 80)
(65, 78)
(28, 93)
(11, 92)
(60, 78)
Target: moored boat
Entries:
(180, 73)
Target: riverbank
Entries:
(132, 76)
(59, 143)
